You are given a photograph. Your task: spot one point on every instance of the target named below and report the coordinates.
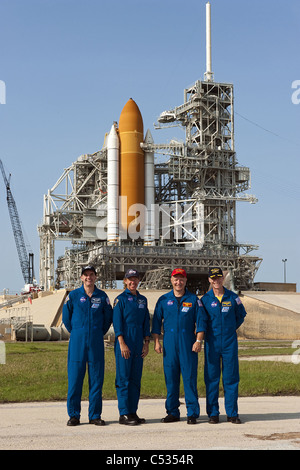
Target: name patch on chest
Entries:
(187, 304)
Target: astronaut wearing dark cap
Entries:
(131, 323)
(87, 315)
(224, 315)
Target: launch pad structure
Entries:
(188, 215)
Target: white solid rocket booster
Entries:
(149, 235)
(112, 186)
(114, 232)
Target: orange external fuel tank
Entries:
(132, 168)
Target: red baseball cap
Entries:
(178, 271)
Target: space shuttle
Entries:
(130, 179)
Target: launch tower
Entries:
(120, 208)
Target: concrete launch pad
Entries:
(270, 315)
(288, 301)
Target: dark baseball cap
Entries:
(215, 272)
(131, 273)
(86, 268)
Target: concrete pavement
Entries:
(268, 423)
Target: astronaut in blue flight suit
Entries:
(180, 311)
(87, 315)
(131, 323)
(224, 315)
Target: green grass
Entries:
(259, 378)
(38, 372)
(33, 372)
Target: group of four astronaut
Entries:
(186, 321)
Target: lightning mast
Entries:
(209, 76)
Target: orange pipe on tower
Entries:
(132, 168)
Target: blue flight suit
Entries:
(87, 319)
(222, 321)
(180, 323)
(131, 320)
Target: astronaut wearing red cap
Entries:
(180, 312)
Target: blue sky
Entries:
(69, 67)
